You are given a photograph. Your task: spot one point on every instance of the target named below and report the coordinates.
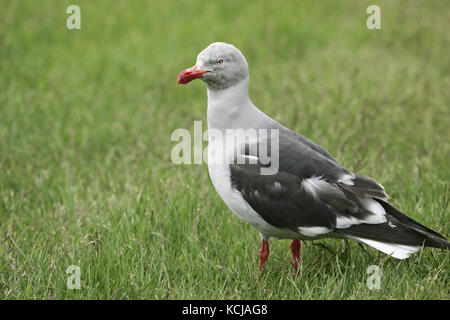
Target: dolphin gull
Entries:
(308, 195)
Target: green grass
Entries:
(85, 124)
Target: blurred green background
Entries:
(85, 123)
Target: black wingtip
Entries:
(404, 219)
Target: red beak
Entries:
(190, 74)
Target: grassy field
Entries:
(86, 117)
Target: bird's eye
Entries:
(220, 61)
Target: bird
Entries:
(308, 195)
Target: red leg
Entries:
(295, 247)
(263, 254)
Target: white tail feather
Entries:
(398, 251)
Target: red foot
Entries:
(295, 247)
(263, 254)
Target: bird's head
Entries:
(220, 66)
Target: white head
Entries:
(220, 66)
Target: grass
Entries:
(86, 117)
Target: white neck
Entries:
(232, 108)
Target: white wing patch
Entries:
(347, 179)
(371, 205)
(313, 231)
(316, 185)
(343, 222)
(378, 216)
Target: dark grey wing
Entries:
(287, 201)
(296, 137)
(305, 159)
(309, 189)
(366, 187)
(280, 199)
(304, 162)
